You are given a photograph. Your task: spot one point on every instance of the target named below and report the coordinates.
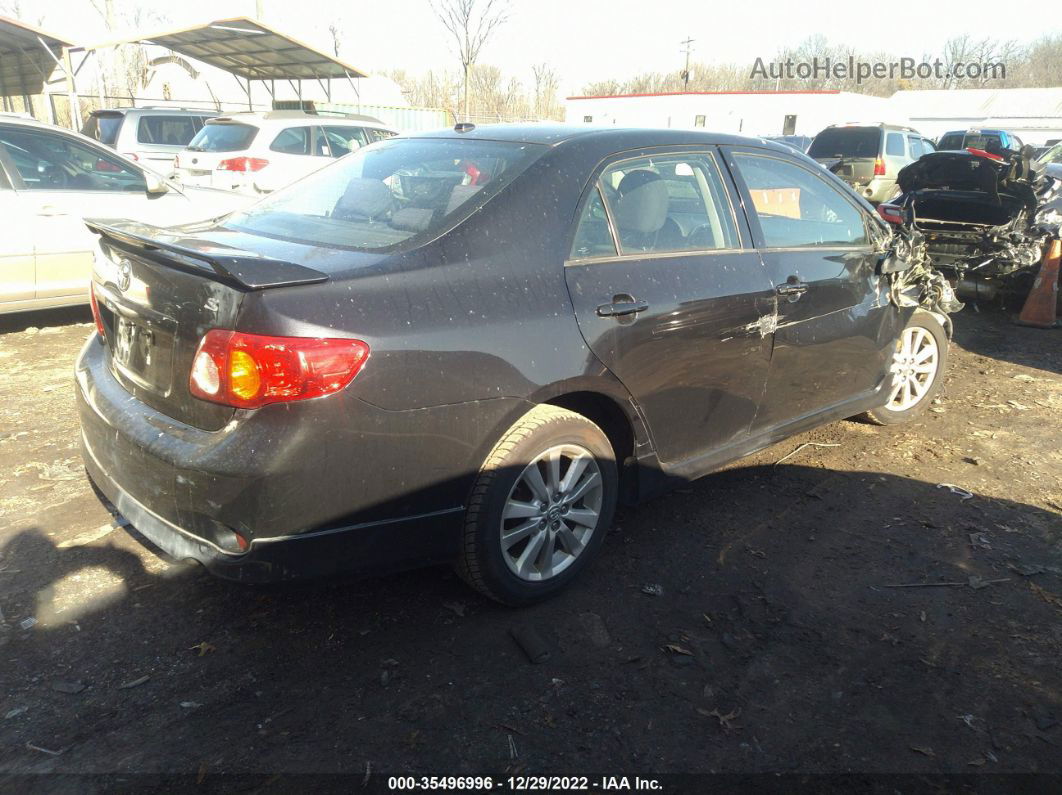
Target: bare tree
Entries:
(471, 23)
(333, 29)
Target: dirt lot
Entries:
(836, 612)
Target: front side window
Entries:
(166, 130)
(384, 195)
(54, 162)
(669, 203)
(914, 143)
(797, 208)
(927, 146)
(292, 141)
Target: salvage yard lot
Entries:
(839, 611)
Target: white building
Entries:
(739, 112)
(1034, 114)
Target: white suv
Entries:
(260, 152)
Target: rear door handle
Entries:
(48, 211)
(619, 308)
(791, 289)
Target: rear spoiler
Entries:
(240, 269)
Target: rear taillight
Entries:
(250, 370)
(96, 311)
(891, 213)
(243, 164)
(879, 167)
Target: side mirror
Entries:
(154, 184)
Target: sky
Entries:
(583, 40)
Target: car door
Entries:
(60, 181)
(672, 298)
(835, 325)
(17, 277)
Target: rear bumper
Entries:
(313, 489)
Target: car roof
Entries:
(154, 111)
(294, 118)
(551, 134)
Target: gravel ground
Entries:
(837, 612)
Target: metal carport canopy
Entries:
(248, 49)
(28, 56)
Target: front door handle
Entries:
(792, 289)
(49, 211)
(622, 305)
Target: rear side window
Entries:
(894, 144)
(292, 141)
(384, 195)
(593, 237)
(223, 137)
(668, 203)
(796, 208)
(343, 140)
(846, 142)
(103, 127)
(166, 130)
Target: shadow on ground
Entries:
(782, 641)
(993, 333)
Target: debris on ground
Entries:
(72, 688)
(203, 648)
(959, 490)
(457, 608)
(28, 623)
(801, 447)
(531, 643)
(653, 589)
(725, 721)
(134, 683)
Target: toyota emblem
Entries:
(125, 274)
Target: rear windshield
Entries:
(846, 142)
(223, 137)
(984, 141)
(103, 127)
(389, 192)
(167, 130)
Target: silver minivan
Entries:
(150, 135)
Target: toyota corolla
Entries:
(470, 346)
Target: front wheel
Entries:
(539, 508)
(917, 370)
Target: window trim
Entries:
(753, 218)
(746, 242)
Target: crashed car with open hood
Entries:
(985, 218)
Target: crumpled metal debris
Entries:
(920, 284)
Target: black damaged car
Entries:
(470, 346)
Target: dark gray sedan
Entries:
(471, 345)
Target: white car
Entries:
(259, 152)
(50, 180)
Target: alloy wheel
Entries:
(552, 511)
(914, 366)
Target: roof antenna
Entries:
(464, 126)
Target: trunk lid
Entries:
(159, 291)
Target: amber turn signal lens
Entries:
(244, 380)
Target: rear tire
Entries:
(918, 370)
(539, 508)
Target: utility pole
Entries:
(686, 72)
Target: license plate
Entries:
(132, 345)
